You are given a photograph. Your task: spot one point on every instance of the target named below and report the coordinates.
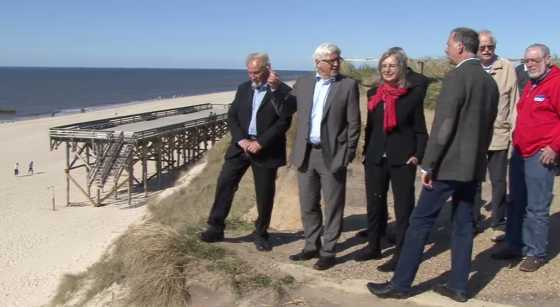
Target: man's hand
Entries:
(426, 179)
(244, 144)
(412, 161)
(548, 156)
(254, 147)
(273, 80)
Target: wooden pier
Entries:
(108, 148)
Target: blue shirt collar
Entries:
(260, 88)
(325, 81)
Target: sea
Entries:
(28, 92)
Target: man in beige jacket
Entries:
(503, 72)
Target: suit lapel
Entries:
(265, 100)
(330, 96)
(249, 103)
(308, 88)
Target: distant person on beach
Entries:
(534, 162)
(16, 169)
(503, 73)
(395, 140)
(30, 169)
(325, 143)
(258, 126)
(452, 167)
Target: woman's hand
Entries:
(412, 161)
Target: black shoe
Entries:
(389, 266)
(324, 263)
(386, 290)
(362, 233)
(262, 244)
(304, 255)
(477, 228)
(211, 235)
(506, 253)
(390, 238)
(368, 254)
(456, 295)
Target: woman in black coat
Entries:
(395, 140)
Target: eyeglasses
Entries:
(534, 61)
(331, 62)
(489, 47)
(391, 66)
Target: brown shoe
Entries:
(531, 264)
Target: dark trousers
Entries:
(422, 221)
(497, 169)
(228, 183)
(377, 177)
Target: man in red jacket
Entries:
(533, 165)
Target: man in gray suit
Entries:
(454, 162)
(326, 140)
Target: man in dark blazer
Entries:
(327, 135)
(453, 164)
(258, 126)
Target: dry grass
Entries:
(433, 68)
(191, 205)
(156, 262)
(365, 74)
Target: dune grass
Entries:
(155, 263)
(433, 68)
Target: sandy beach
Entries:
(39, 245)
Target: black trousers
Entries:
(497, 169)
(228, 183)
(377, 180)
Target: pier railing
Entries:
(107, 148)
(93, 130)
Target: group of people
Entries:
(29, 169)
(479, 115)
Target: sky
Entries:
(220, 33)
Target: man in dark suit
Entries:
(453, 164)
(258, 126)
(326, 140)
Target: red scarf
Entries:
(388, 94)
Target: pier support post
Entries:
(67, 172)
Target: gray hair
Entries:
(544, 49)
(402, 59)
(489, 34)
(262, 57)
(324, 50)
(468, 37)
